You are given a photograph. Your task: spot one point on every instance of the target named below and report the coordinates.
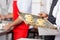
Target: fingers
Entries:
(44, 15)
(6, 28)
(2, 17)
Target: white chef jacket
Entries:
(2, 6)
(24, 6)
(10, 6)
(5, 6)
(5, 9)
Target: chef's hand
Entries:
(7, 27)
(44, 15)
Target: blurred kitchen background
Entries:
(38, 6)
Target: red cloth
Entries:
(21, 30)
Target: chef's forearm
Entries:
(17, 21)
(9, 15)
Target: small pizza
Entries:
(29, 19)
(40, 22)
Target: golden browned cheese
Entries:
(40, 22)
(29, 19)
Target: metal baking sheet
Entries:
(47, 24)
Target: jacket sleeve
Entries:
(10, 9)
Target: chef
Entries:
(5, 8)
(56, 14)
(20, 28)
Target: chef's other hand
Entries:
(44, 15)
